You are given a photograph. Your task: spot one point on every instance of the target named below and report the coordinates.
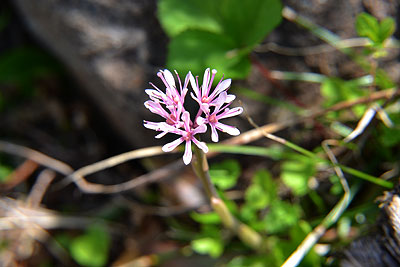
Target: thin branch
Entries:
(40, 187)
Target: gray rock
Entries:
(112, 47)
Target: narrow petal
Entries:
(169, 78)
(227, 113)
(220, 100)
(200, 120)
(206, 81)
(158, 136)
(171, 146)
(186, 120)
(227, 129)
(230, 98)
(200, 129)
(187, 156)
(187, 80)
(205, 108)
(194, 85)
(224, 85)
(214, 134)
(200, 145)
(157, 126)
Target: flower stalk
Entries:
(248, 236)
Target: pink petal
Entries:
(220, 100)
(200, 120)
(227, 129)
(206, 81)
(230, 98)
(224, 85)
(171, 146)
(186, 120)
(214, 134)
(158, 136)
(205, 108)
(187, 80)
(194, 85)
(200, 145)
(200, 129)
(187, 156)
(169, 78)
(230, 113)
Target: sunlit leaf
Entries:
(208, 245)
(368, 26)
(295, 174)
(177, 16)
(281, 216)
(225, 174)
(91, 248)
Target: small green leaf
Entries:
(295, 175)
(368, 26)
(261, 192)
(91, 248)
(177, 16)
(248, 22)
(252, 261)
(5, 172)
(195, 50)
(225, 174)
(206, 218)
(280, 217)
(256, 197)
(383, 80)
(335, 90)
(386, 28)
(208, 245)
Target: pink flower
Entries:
(187, 135)
(171, 99)
(170, 106)
(218, 114)
(202, 94)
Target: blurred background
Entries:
(72, 80)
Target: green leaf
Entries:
(91, 248)
(225, 174)
(383, 80)
(255, 197)
(262, 191)
(206, 218)
(252, 261)
(195, 50)
(208, 245)
(5, 172)
(295, 175)
(177, 16)
(248, 22)
(335, 90)
(280, 217)
(368, 26)
(387, 28)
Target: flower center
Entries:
(212, 118)
(187, 136)
(176, 99)
(205, 99)
(171, 120)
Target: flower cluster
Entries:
(213, 106)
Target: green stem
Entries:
(243, 231)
